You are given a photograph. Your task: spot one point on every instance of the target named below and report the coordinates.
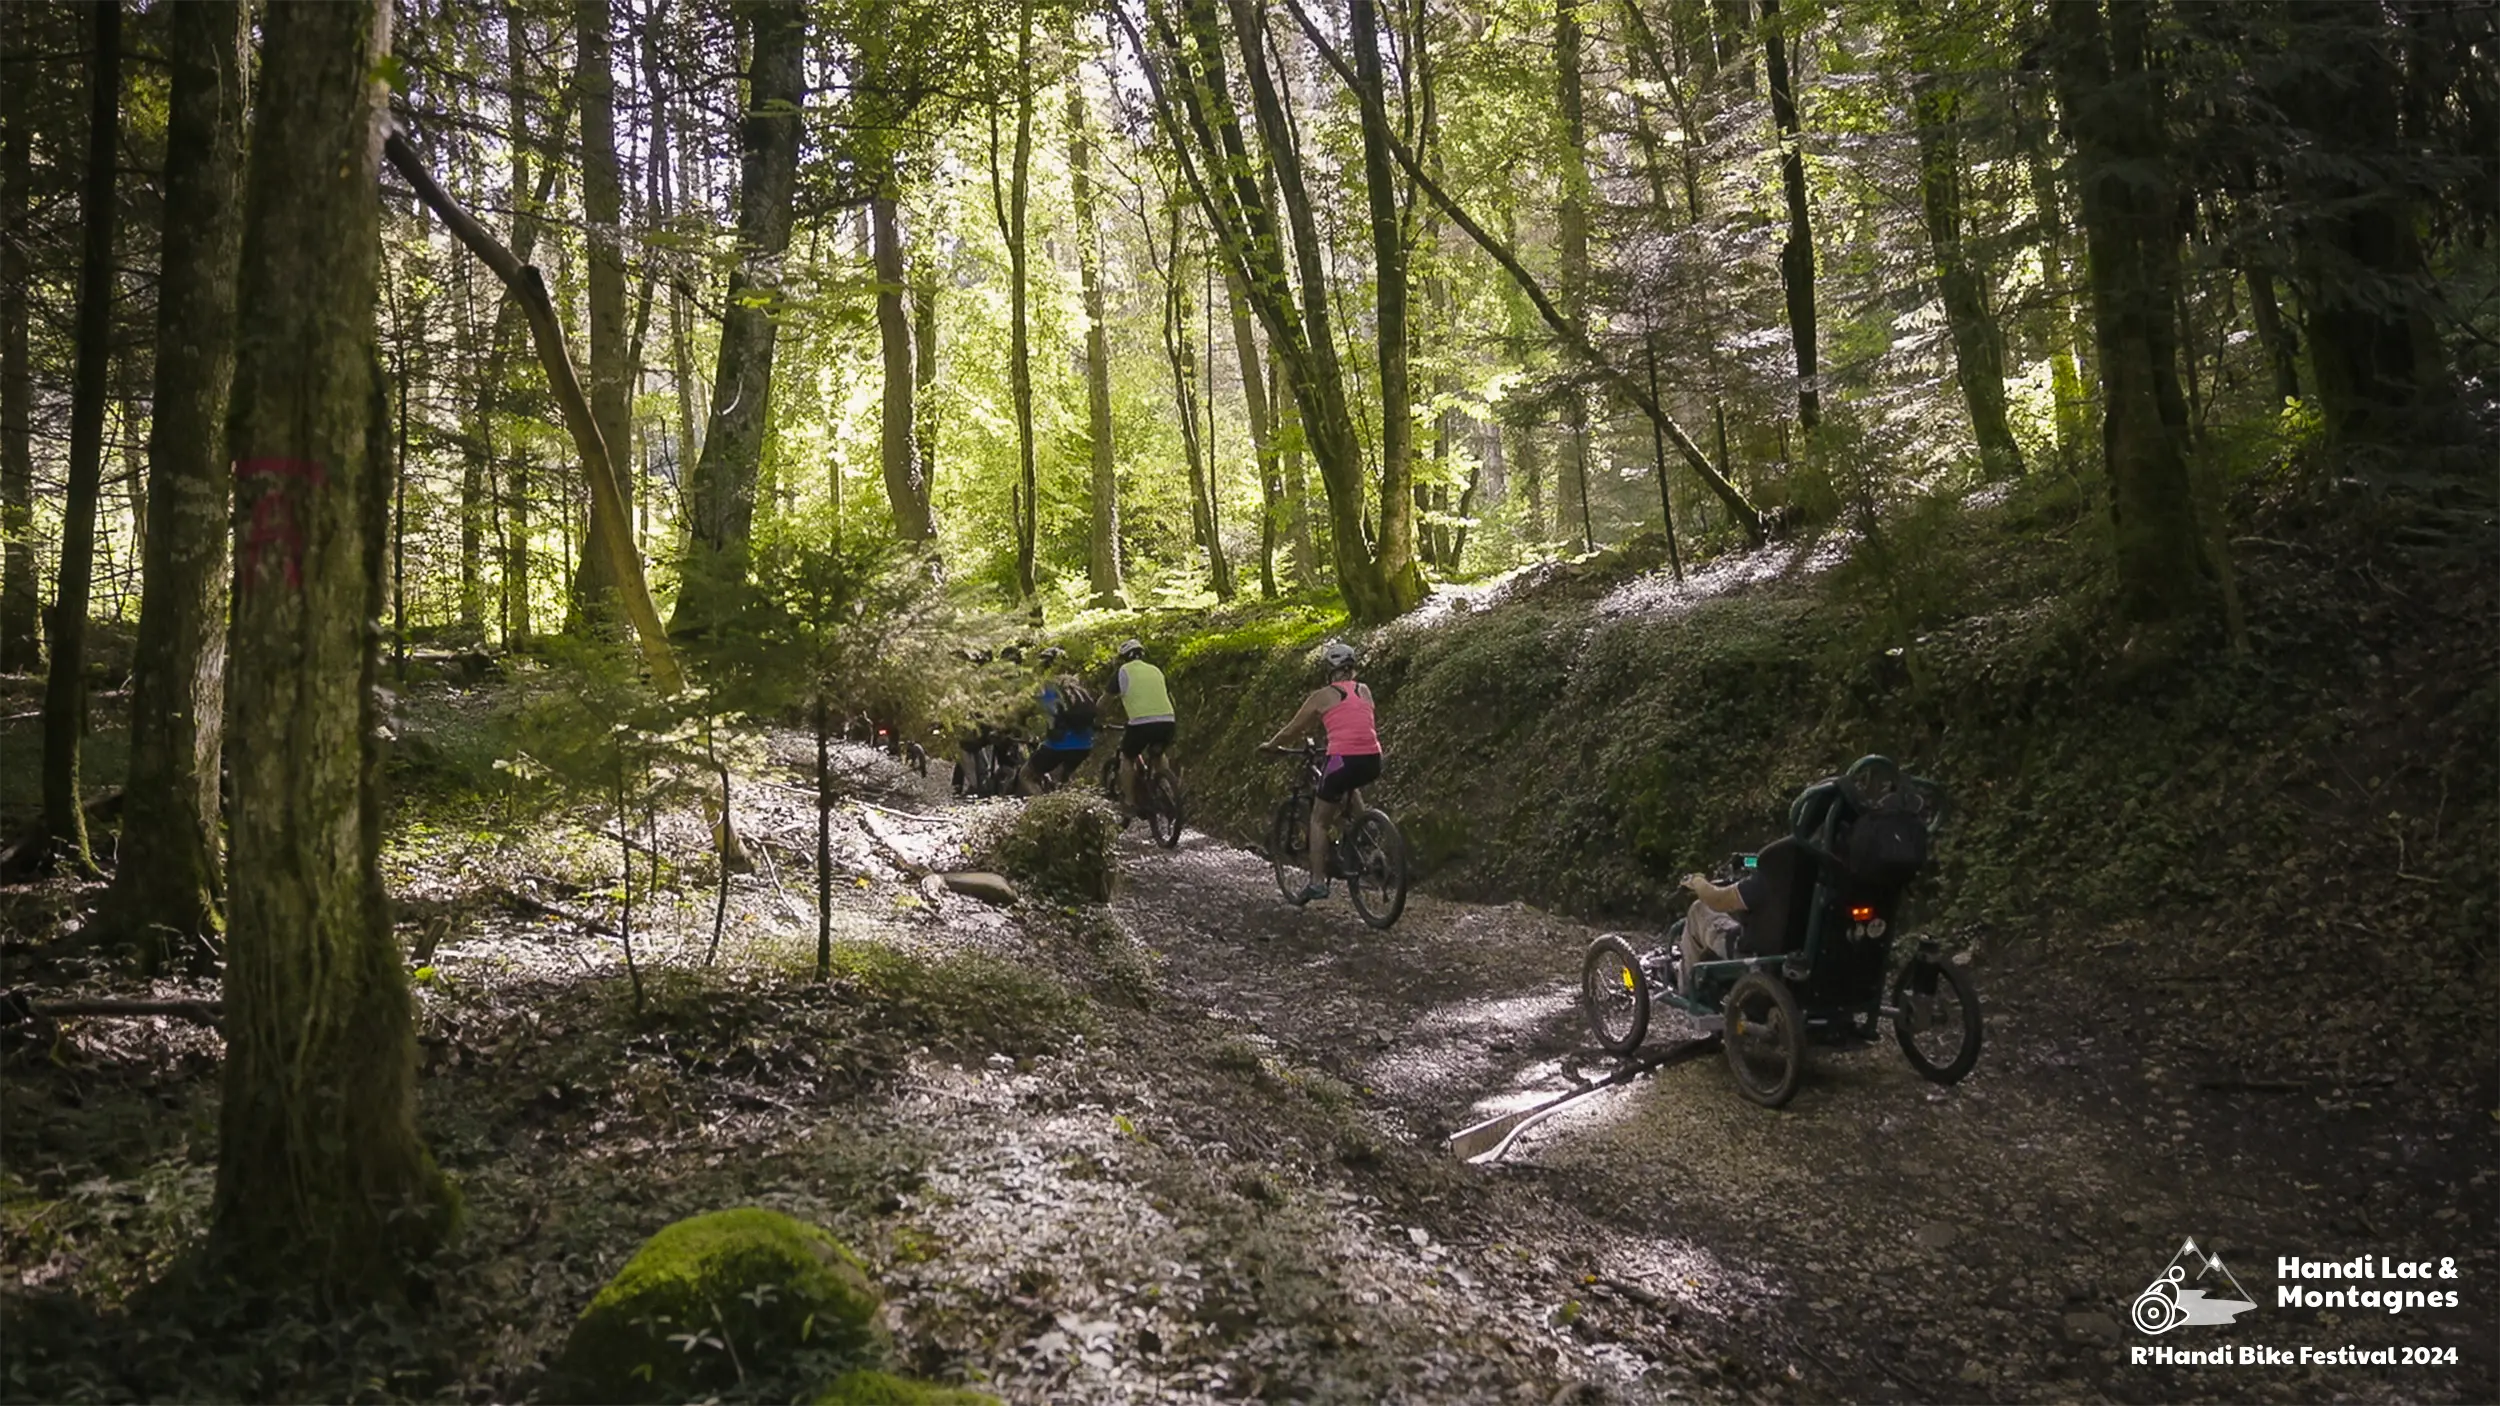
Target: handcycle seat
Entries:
(1778, 926)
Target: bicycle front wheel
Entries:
(1376, 873)
(1289, 845)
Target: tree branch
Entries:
(607, 501)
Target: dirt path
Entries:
(1880, 1239)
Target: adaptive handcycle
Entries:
(1814, 953)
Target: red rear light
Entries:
(1861, 912)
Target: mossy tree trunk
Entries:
(1797, 252)
(1571, 221)
(321, 1177)
(721, 491)
(20, 598)
(166, 884)
(1103, 558)
(65, 687)
(2113, 100)
(1262, 430)
(899, 453)
(611, 389)
(1961, 281)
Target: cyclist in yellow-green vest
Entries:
(1147, 700)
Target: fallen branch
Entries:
(607, 502)
(17, 1006)
(526, 903)
(885, 847)
(907, 815)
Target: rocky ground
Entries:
(1219, 1174)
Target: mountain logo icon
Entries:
(2170, 1301)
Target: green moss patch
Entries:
(720, 1302)
(1062, 846)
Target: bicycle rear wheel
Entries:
(1163, 807)
(1289, 845)
(1376, 872)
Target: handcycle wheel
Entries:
(1376, 879)
(1289, 845)
(1938, 1026)
(1163, 808)
(1765, 1035)
(1614, 994)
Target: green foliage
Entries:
(966, 1005)
(735, 1300)
(1063, 846)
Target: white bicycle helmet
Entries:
(1337, 654)
(1131, 649)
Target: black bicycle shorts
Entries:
(1141, 736)
(1343, 774)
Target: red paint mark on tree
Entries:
(274, 527)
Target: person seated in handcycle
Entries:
(1725, 917)
(1767, 906)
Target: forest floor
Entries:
(1191, 1147)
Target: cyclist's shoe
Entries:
(1311, 893)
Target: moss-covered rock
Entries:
(753, 1287)
(866, 1388)
(1062, 846)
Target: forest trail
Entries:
(1881, 1238)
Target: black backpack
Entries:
(1076, 711)
(1886, 845)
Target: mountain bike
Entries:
(1367, 852)
(1160, 796)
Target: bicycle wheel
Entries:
(1938, 1027)
(1376, 871)
(1163, 808)
(1765, 1037)
(1614, 994)
(1289, 845)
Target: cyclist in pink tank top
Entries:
(1344, 708)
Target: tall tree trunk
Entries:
(1797, 253)
(2067, 334)
(166, 883)
(1395, 552)
(519, 627)
(2113, 106)
(321, 1177)
(906, 485)
(2363, 277)
(611, 372)
(721, 491)
(924, 376)
(1103, 560)
(2275, 336)
(1011, 204)
(1572, 224)
(20, 595)
(1288, 411)
(1198, 111)
(1978, 351)
(65, 687)
(1182, 355)
(1262, 429)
